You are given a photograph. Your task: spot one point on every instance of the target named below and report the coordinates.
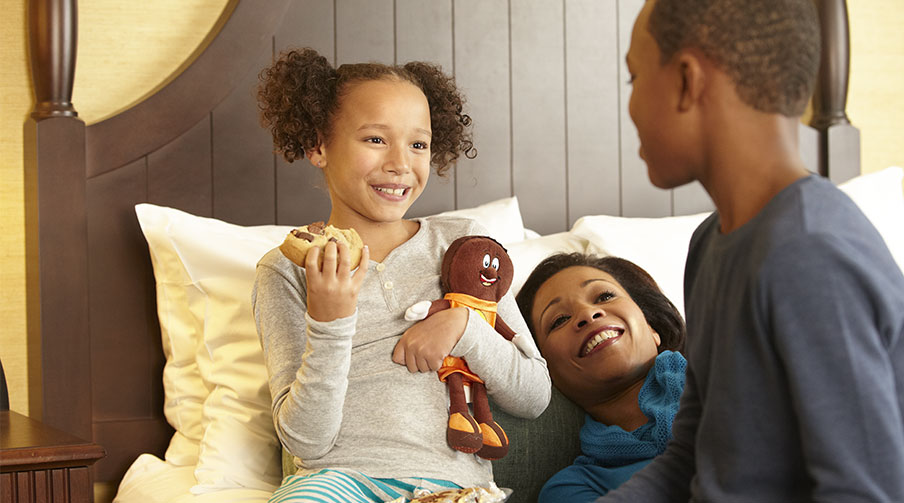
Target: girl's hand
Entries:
(332, 288)
(424, 345)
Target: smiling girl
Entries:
(612, 341)
(355, 396)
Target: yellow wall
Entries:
(876, 94)
(126, 49)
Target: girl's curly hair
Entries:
(300, 94)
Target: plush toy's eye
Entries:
(496, 263)
(486, 260)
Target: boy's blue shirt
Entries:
(795, 377)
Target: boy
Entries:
(795, 308)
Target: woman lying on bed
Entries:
(612, 342)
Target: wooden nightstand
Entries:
(43, 464)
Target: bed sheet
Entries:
(152, 480)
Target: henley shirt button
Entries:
(388, 285)
(380, 267)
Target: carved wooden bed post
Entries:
(56, 250)
(839, 141)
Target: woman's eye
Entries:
(557, 322)
(605, 296)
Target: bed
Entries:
(116, 304)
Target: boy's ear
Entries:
(693, 80)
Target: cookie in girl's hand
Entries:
(300, 240)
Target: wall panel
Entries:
(365, 31)
(424, 33)
(179, 174)
(301, 195)
(242, 151)
(639, 197)
(119, 311)
(591, 76)
(481, 31)
(538, 113)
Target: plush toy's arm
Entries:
(425, 308)
(503, 329)
(521, 341)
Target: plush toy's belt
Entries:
(455, 365)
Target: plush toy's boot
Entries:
(495, 441)
(463, 433)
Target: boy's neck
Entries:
(752, 156)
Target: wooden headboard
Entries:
(546, 88)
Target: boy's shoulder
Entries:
(815, 206)
(809, 218)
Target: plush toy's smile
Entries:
(485, 281)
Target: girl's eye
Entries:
(607, 295)
(486, 261)
(557, 322)
(420, 145)
(375, 140)
(495, 263)
(631, 79)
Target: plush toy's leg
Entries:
(463, 433)
(495, 441)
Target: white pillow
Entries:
(184, 390)
(151, 480)
(658, 245)
(528, 253)
(881, 198)
(204, 270)
(502, 219)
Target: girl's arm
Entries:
(516, 378)
(307, 360)
(518, 381)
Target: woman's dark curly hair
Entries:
(658, 310)
(300, 94)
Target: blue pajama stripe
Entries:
(333, 486)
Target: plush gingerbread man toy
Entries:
(476, 273)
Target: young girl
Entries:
(356, 398)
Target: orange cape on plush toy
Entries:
(487, 310)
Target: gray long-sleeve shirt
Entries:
(339, 401)
(795, 377)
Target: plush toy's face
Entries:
(477, 266)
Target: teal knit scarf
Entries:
(611, 446)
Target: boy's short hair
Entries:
(769, 48)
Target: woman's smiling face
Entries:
(594, 337)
